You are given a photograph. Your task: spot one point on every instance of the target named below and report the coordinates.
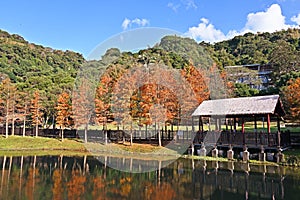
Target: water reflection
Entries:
(61, 177)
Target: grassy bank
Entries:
(17, 145)
(39, 143)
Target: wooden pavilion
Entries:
(234, 111)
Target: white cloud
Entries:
(187, 4)
(206, 32)
(125, 23)
(270, 20)
(173, 6)
(139, 22)
(296, 19)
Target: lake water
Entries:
(61, 177)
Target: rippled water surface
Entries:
(61, 177)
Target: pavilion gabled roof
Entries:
(242, 106)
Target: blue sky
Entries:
(80, 25)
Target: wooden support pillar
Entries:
(226, 123)
(280, 155)
(193, 130)
(216, 124)
(243, 125)
(201, 124)
(255, 129)
(193, 133)
(269, 123)
(268, 128)
(243, 130)
(234, 124)
(278, 123)
(278, 132)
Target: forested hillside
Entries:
(282, 47)
(36, 67)
(34, 77)
(26, 68)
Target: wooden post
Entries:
(234, 124)
(226, 123)
(201, 121)
(200, 124)
(187, 133)
(243, 125)
(269, 128)
(280, 155)
(193, 131)
(255, 123)
(269, 124)
(172, 130)
(243, 130)
(278, 132)
(255, 127)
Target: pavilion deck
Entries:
(237, 139)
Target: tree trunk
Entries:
(24, 126)
(6, 127)
(36, 130)
(123, 134)
(62, 134)
(131, 139)
(13, 126)
(85, 132)
(159, 136)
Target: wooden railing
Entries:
(54, 133)
(238, 138)
(213, 137)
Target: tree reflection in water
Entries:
(60, 177)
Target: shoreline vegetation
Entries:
(40, 146)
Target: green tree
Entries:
(243, 90)
(284, 58)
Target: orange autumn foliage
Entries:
(160, 87)
(99, 185)
(57, 189)
(102, 100)
(292, 96)
(197, 82)
(162, 192)
(75, 186)
(64, 110)
(147, 96)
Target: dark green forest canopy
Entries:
(280, 48)
(33, 66)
